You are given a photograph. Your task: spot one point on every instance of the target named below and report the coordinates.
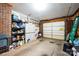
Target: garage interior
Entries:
(40, 29)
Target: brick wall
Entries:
(5, 18)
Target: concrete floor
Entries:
(46, 47)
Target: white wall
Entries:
(31, 31)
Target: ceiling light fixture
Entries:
(40, 6)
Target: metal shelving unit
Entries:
(17, 31)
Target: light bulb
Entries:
(39, 6)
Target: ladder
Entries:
(74, 29)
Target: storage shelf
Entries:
(17, 21)
(18, 40)
(15, 28)
(17, 31)
(19, 34)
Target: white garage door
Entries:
(47, 30)
(54, 30)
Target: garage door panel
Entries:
(58, 24)
(47, 24)
(61, 28)
(47, 29)
(58, 32)
(47, 35)
(60, 37)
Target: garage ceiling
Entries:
(53, 10)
